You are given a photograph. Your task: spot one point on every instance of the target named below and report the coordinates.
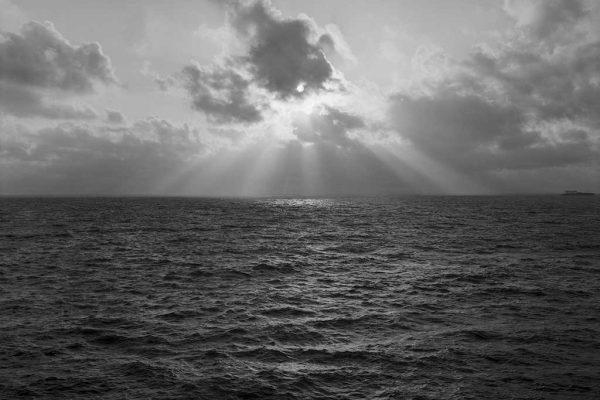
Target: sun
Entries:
(286, 114)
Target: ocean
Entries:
(423, 297)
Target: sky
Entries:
(299, 98)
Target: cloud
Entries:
(221, 93)
(525, 105)
(547, 20)
(552, 67)
(39, 69)
(11, 16)
(114, 117)
(39, 56)
(327, 124)
(334, 45)
(515, 105)
(474, 134)
(559, 85)
(283, 53)
(77, 159)
(280, 59)
(22, 101)
(155, 156)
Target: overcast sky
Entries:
(311, 97)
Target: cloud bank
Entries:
(528, 104)
(71, 158)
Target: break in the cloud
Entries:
(281, 58)
(529, 104)
(39, 62)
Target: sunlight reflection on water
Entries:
(301, 202)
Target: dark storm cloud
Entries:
(280, 56)
(39, 56)
(22, 101)
(221, 93)
(71, 158)
(523, 105)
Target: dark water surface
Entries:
(407, 298)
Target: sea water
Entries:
(344, 298)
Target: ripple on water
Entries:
(417, 298)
